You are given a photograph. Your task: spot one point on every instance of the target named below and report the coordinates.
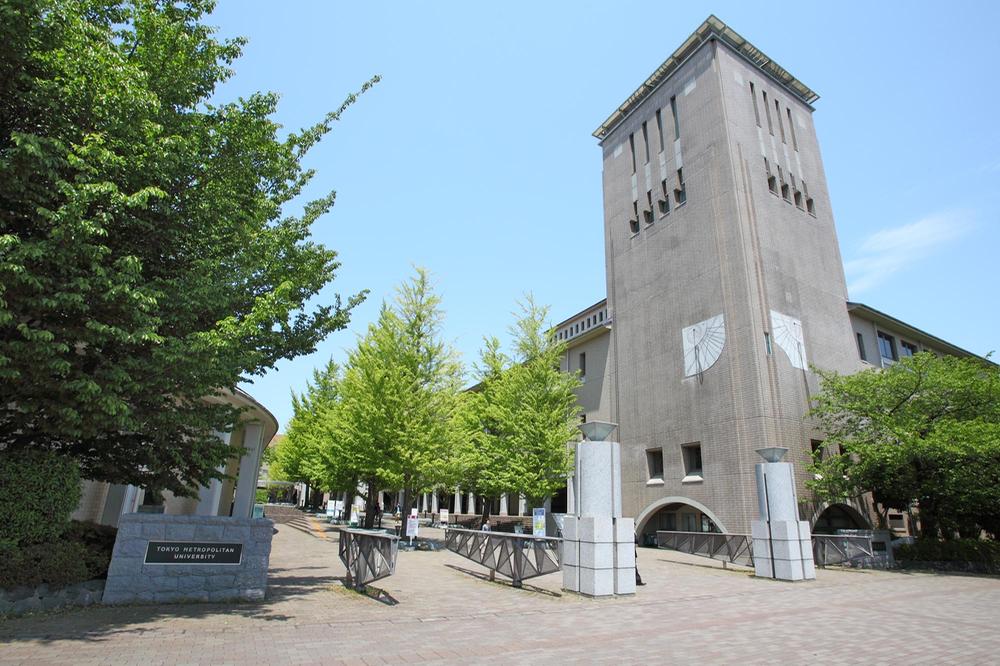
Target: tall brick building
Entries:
(724, 284)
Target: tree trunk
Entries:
(487, 505)
(305, 503)
(370, 497)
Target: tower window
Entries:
(861, 347)
(645, 142)
(677, 124)
(631, 148)
(659, 128)
(648, 213)
(680, 192)
(781, 125)
(756, 111)
(664, 201)
(767, 343)
(767, 112)
(692, 460)
(810, 207)
(583, 366)
(784, 185)
(633, 224)
(654, 463)
(772, 182)
(907, 348)
(791, 128)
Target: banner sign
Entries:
(443, 516)
(193, 552)
(538, 522)
(412, 525)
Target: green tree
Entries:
(301, 456)
(398, 397)
(145, 258)
(518, 422)
(924, 432)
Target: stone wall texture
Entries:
(132, 581)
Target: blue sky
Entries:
(474, 156)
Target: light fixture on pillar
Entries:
(597, 431)
(773, 454)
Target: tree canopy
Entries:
(924, 432)
(146, 260)
(387, 419)
(517, 423)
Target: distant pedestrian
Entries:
(638, 578)
(486, 526)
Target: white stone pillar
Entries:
(598, 550)
(246, 483)
(434, 503)
(782, 544)
(522, 505)
(503, 504)
(210, 495)
(458, 501)
(471, 505)
(423, 502)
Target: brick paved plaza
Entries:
(447, 612)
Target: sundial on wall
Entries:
(703, 343)
(788, 334)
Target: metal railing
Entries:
(517, 556)
(843, 549)
(367, 555)
(734, 548)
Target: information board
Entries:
(538, 522)
(443, 516)
(412, 525)
(193, 552)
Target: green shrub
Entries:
(83, 553)
(970, 554)
(38, 492)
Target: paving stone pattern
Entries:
(446, 611)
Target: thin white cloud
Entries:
(889, 251)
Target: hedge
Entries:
(960, 554)
(38, 492)
(82, 553)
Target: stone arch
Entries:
(650, 511)
(852, 513)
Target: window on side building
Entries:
(887, 347)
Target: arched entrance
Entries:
(675, 514)
(832, 517)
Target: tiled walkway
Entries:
(446, 611)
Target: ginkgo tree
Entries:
(517, 424)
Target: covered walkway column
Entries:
(246, 483)
(503, 504)
(471, 505)
(210, 495)
(434, 503)
(458, 501)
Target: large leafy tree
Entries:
(399, 394)
(924, 432)
(145, 261)
(518, 422)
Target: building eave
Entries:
(712, 28)
(890, 322)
